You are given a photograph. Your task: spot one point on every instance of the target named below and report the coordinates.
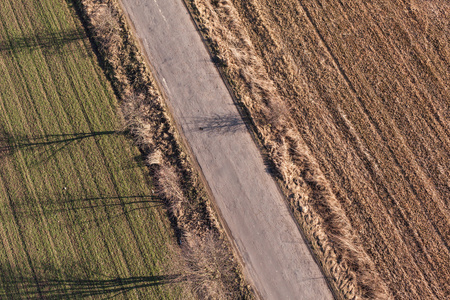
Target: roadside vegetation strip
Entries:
(349, 102)
(211, 269)
(78, 215)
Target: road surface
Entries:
(276, 259)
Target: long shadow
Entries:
(219, 124)
(23, 142)
(145, 199)
(46, 40)
(229, 124)
(31, 208)
(11, 143)
(150, 201)
(78, 288)
(128, 207)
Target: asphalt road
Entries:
(276, 259)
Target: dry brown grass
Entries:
(169, 188)
(145, 117)
(362, 149)
(106, 29)
(210, 266)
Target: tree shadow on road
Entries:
(220, 124)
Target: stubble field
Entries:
(78, 218)
(351, 101)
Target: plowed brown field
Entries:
(366, 90)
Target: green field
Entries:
(78, 218)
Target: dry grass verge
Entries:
(350, 271)
(210, 267)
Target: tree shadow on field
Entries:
(108, 208)
(46, 145)
(45, 40)
(100, 208)
(72, 282)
